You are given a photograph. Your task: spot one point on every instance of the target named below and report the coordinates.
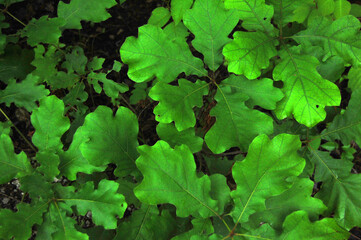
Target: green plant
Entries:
(249, 125)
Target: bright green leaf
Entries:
(211, 24)
(178, 8)
(326, 7)
(306, 92)
(236, 124)
(256, 15)
(111, 88)
(260, 92)
(286, 11)
(58, 226)
(249, 53)
(72, 161)
(342, 8)
(160, 16)
(298, 226)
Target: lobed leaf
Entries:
(170, 177)
(249, 53)
(236, 125)
(265, 172)
(84, 10)
(110, 139)
(211, 24)
(306, 92)
(104, 202)
(176, 102)
(346, 127)
(256, 15)
(153, 55)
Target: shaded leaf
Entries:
(170, 134)
(43, 30)
(104, 202)
(84, 10)
(110, 139)
(342, 197)
(11, 164)
(170, 177)
(176, 102)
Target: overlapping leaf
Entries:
(328, 167)
(298, 197)
(260, 92)
(255, 14)
(347, 127)
(298, 226)
(170, 177)
(176, 102)
(72, 161)
(23, 94)
(147, 223)
(15, 63)
(178, 8)
(341, 37)
(211, 24)
(57, 225)
(153, 55)
(18, 224)
(110, 139)
(104, 202)
(170, 134)
(342, 197)
(43, 30)
(11, 164)
(306, 92)
(286, 11)
(264, 172)
(236, 125)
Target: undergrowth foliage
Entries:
(248, 105)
